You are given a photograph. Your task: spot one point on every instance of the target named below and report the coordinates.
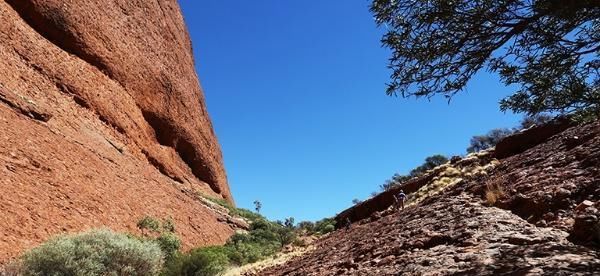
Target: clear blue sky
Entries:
(295, 90)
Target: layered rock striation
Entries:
(102, 121)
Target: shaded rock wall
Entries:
(102, 121)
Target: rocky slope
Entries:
(533, 212)
(102, 121)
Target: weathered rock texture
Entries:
(102, 121)
(533, 213)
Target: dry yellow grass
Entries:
(494, 191)
(256, 268)
(448, 175)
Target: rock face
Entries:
(533, 213)
(102, 121)
(528, 138)
(451, 173)
(452, 236)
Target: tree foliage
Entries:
(429, 163)
(486, 141)
(535, 120)
(257, 206)
(490, 139)
(550, 48)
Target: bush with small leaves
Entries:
(168, 225)
(96, 252)
(148, 223)
(263, 239)
(207, 261)
(247, 214)
(322, 227)
(169, 244)
(307, 226)
(328, 228)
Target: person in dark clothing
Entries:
(400, 198)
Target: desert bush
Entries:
(205, 261)
(96, 252)
(150, 224)
(494, 191)
(219, 201)
(168, 225)
(249, 252)
(169, 243)
(328, 229)
(323, 226)
(306, 226)
(240, 212)
(430, 163)
(163, 234)
(247, 214)
(397, 179)
(264, 239)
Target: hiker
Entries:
(400, 198)
(347, 223)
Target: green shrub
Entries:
(285, 235)
(268, 232)
(205, 261)
(322, 226)
(307, 226)
(328, 228)
(247, 214)
(244, 253)
(148, 223)
(263, 239)
(168, 225)
(96, 252)
(240, 212)
(169, 244)
(219, 201)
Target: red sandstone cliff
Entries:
(102, 121)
